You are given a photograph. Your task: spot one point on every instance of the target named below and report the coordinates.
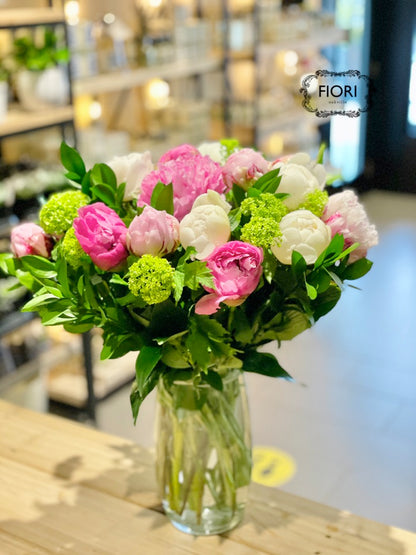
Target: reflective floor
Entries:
(349, 418)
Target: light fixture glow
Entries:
(109, 18)
(290, 58)
(72, 12)
(157, 94)
(95, 110)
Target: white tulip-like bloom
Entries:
(131, 170)
(214, 149)
(303, 232)
(298, 181)
(205, 228)
(212, 197)
(303, 159)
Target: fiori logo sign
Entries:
(327, 93)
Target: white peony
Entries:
(205, 228)
(298, 181)
(214, 149)
(303, 232)
(212, 197)
(131, 169)
(303, 159)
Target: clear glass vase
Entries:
(203, 453)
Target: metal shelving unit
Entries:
(19, 122)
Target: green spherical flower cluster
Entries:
(264, 206)
(261, 232)
(60, 211)
(315, 202)
(152, 278)
(71, 249)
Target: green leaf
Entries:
(357, 269)
(7, 263)
(62, 276)
(115, 278)
(38, 266)
(311, 291)
(320, 156)
(241, 327)
(146, 361)
(336, 279)
(105, 193)
(179, 283)
(269, 265)
(120, 193)
(86, 183)
(197, 273)
(162, 198)
(72, 161)
(103, 174)
(269, 182)
(326, 301)
(199, 347)
(332, 252)
(253, 192)
(239, 194)
(137, 397)
(37, 302)
(298, 264)
(213, 379)
(234, 217)
(265, 364)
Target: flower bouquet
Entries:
(195, 264)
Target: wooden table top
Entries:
(66, 488)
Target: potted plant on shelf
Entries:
(41, 79)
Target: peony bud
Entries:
(153, 232)
(30, 239)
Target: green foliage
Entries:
(162, 198)
(38, 56)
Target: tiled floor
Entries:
(349, 419)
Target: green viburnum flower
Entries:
(71, 249)
(152, 278)
(315, 202)
(264, 206)
(261, 232)
(57, 215)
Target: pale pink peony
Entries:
(244, 167)
(345, 215)
(102, 235)
(190, 178)
(236, 268)
(30, 239)
(179, 152)
(153, 232)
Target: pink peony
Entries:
(190, 177)
(178, 153)
(153, 232)
(30, 239)
(345, 215)
(236, 268)
(244, 167)
(102, 235)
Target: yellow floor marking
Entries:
(272, 467)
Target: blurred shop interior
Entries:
(152, 74)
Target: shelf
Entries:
(315, 40)
(18, 121)
(292, 117)
(15, 320)
(128, 78)
(26, 17)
